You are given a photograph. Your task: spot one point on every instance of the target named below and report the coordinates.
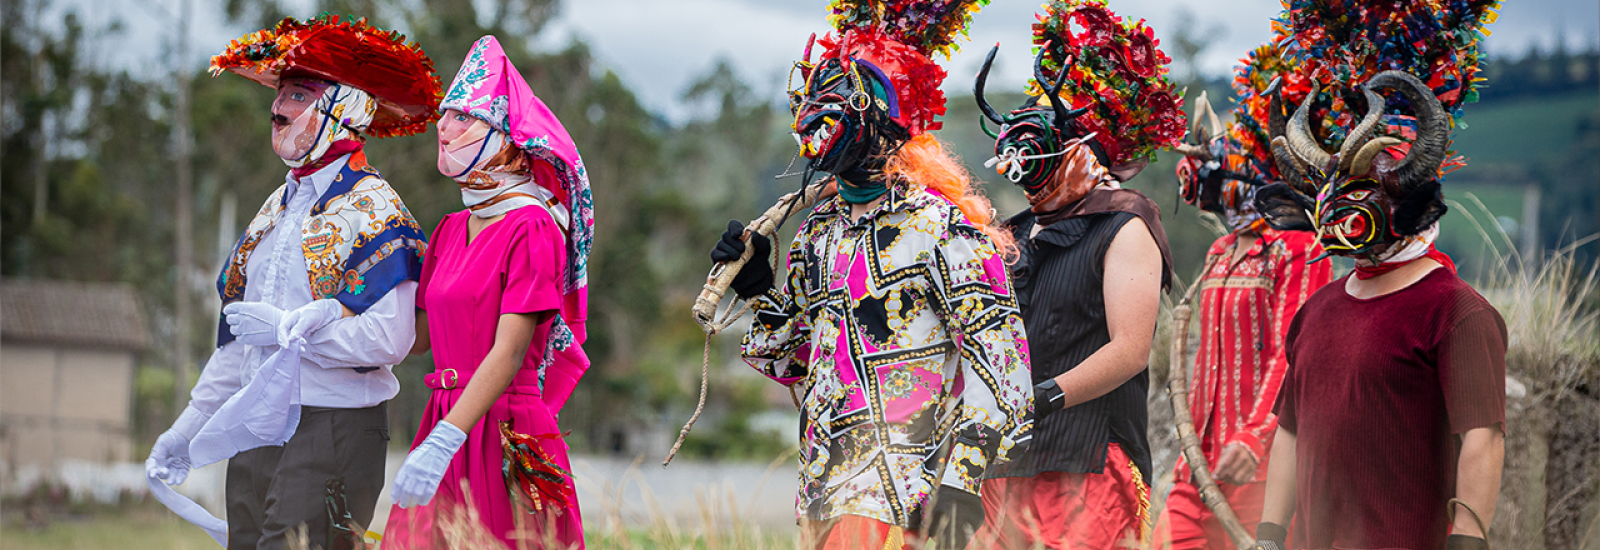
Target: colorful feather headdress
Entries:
(1252, 81)
(1117, 71)
(1341, 44)
(899, 39)
(398, 73)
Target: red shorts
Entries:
(856, 533)
(1187, 524)
(1061, 511)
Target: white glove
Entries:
(307, 319)
(169, 458)
(253, 323)
(418, 478)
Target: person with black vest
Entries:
(1091, 265)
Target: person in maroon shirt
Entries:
(1391, 413)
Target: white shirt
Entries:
(276, 274)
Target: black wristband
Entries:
(1268, 531)
(1047, 398)
(1465, 542)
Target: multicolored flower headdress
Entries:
(1373, 163)
(895, 42)
(376, 61)
(1115, 69)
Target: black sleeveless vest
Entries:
(1058, 280)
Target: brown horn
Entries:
(1191, 150)
(1301, 142)
(1288, 166)
(1361, 161)
(1421, 165)
(1358, 137)
(1211, 116)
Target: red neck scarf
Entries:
(335, 150)
(1367, 272)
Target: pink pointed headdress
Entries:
(490, 88)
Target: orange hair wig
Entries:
(924, 161)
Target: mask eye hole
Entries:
(297, 96)
(1359, 194)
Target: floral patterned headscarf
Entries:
(490, 88)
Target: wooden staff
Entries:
(721, 276)
(1178, 391)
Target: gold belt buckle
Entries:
(448, 384)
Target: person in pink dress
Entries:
(502, 301)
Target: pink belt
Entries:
(450, 379)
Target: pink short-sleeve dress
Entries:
(512, 266)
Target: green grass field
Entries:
(155, 529)
(1519, 131)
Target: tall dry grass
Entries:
(1550, 492)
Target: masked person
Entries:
(1092, 265)
(895, 321)
(1391, 413)
(318, 293)
(1254, 281)
(505, 301)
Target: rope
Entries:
(731, 315)
(1475, 517)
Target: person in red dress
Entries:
(1391, 413)
(1255, 280)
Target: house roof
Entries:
(72, 313)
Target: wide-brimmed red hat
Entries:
(397, 73)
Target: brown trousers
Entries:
(325, 481)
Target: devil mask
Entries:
(1365, 199)
(1032, 138)
(1214, 174)
(844, 119)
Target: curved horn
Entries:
(1298, 133)
(1356, 141)
(1277, 116)
(1421, 165)
(1192, 150)
(1288, 166)
(1361, 161)
(1211, 116)
(977, 88)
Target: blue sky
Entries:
(658, 46)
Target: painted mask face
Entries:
(1366, 199)
(1032, 138)
(464, 143)
(295, 120)
(841, 116)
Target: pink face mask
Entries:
(465, 143)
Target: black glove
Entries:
(957, 514)
(756, 277)
(1047, 398)
(1465, 542)
(1271, 536)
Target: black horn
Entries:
(1053, 92)
(977, 88)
